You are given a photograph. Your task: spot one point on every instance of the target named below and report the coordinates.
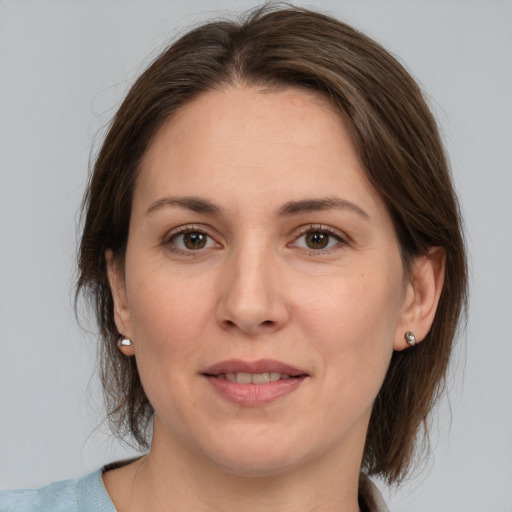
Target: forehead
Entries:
(281, 142)
(239, 114)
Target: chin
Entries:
(257, 461)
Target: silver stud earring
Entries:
(124, 342)
(410, 338)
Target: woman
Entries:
(273, 249)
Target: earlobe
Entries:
(121, 310)
(421, 297)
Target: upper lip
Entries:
(259, 366)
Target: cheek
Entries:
(352, 323)
(168, 318)
(168, 314)
(360, 308)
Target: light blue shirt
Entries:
(87, 494)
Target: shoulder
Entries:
(79, 495)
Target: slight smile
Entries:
(254, 383)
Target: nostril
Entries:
(250, 327)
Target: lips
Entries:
(236, 366)
(254, 383)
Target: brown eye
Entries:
(188, 241)
(317, 240)
(194, 240)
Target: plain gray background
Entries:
(64, 67)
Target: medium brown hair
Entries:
(396, 138)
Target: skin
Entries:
(258, 289)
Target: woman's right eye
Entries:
(191, 240)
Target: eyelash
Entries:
(304, 230)
(183, 230)
(321, 229)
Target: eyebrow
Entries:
(319, 205)
(196, 204)
(204, 206)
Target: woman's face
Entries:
(258, 251)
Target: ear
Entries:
(118, 289)
(421, 296)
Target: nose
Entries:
(252, 300)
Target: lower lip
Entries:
(252, 395)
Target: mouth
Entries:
(254, 383)
(254, 378)
(263, 371)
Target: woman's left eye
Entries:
(191, 241)
(317, 240)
